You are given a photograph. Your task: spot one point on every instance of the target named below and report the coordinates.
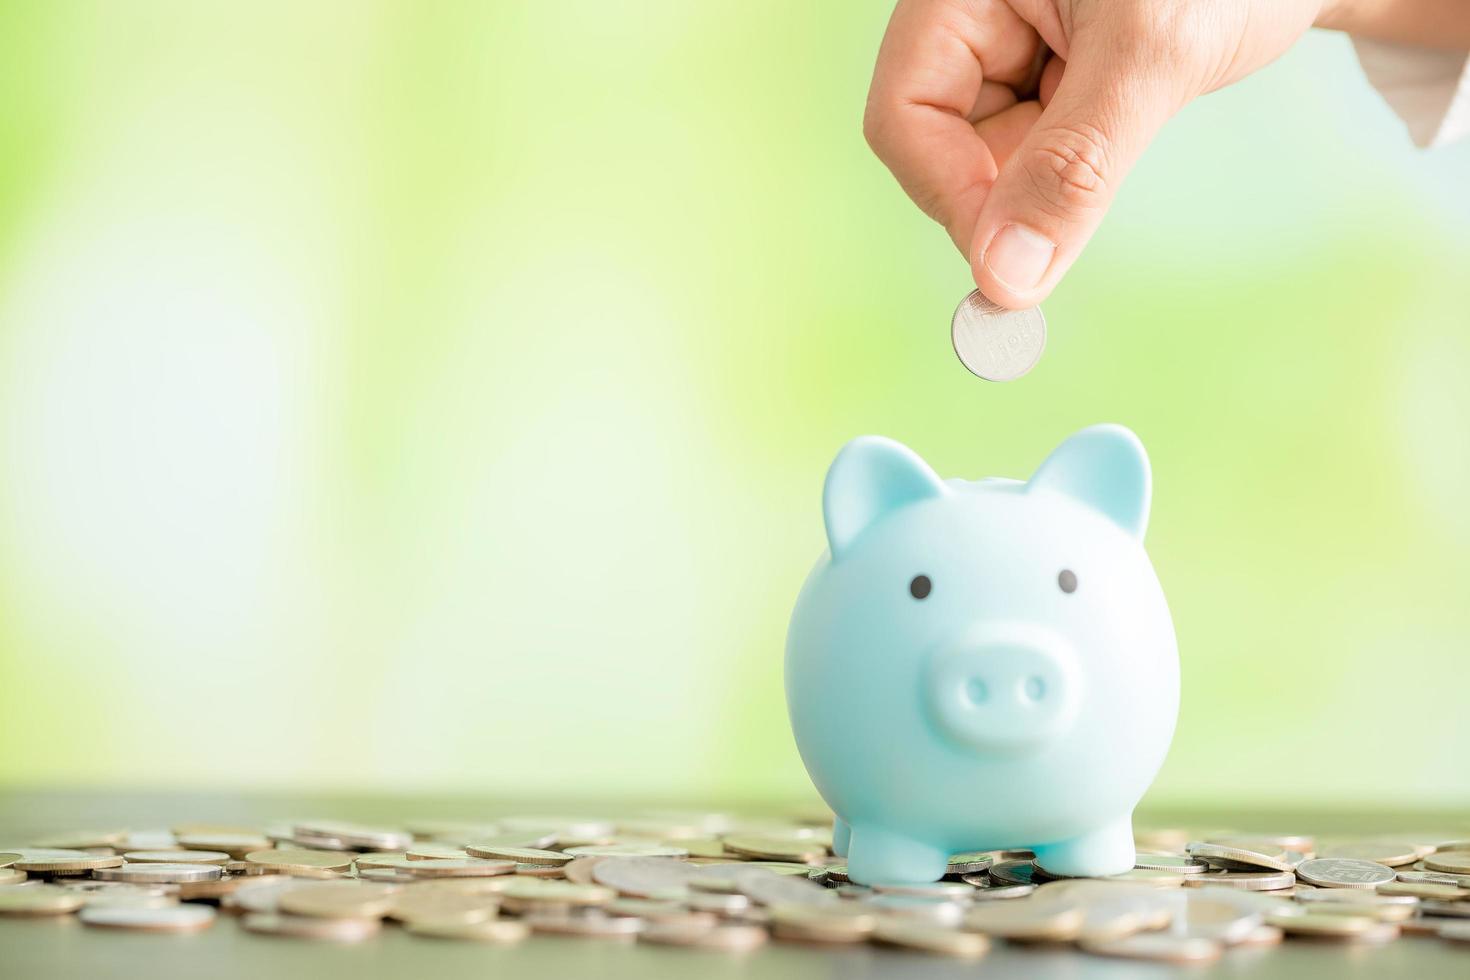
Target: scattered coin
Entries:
(291, 859)
(1014, 873)
(63, 860)
(1238, 856)
(339, 900)
(521, 855)
(168, 918)
(161, 873)
(1030, 919)
(1157, 946)
(995, 343)
(733, 938)
(1169, 862)
(627, 850)
(177, 857)
(1334, 926)
(40, 900)
(1249, 880)
(1391, 853)
(930, 939)
(594, 925)
(834, 923)
(645, 877)
(971, 862)
(1424, 889)
(935, 889)
(11, 876)
(1452, 862)
(311, 927)
(1344, 873)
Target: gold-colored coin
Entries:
(220, 887)
(177, 857)
(1425, 889)
(595, 925)
(1322, 924)
(930, 939)
(40, 900)
(455, 867)
(295, 859)
(732, 938)
(339, 900)
(831, 923)
(11, 876)
(63, 860)
(632, 850)
(1451, 862)
(1394, 854)
(381, 859)
(415, 903)
(539, 891)
(1158, 946)
(503, 931)
(790, 849)
(520, 855)
(8, 858)
(1027, 919)
(309, 927)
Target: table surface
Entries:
(63, 948)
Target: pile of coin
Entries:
(718, 882)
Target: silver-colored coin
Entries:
(169, 918)
(1169, 862)
(1015, 873)
(1249, 880)
(935, 911)
(1344, 873)
(995, 343)
(643, 877)
(159, 873)
(969, 863)
(1244, 855)
(766, 888)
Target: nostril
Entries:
(976, 691)
(1035, 688)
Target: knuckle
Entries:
(876, 128)
(1068, 170)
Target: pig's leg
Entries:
(841, 834)
(879, 856)
(1108, 850)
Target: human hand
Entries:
(1012, 122)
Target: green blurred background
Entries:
(436, 396)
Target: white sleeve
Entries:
(1430, 90)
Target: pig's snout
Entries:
(1004, 688)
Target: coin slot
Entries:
(920, 587)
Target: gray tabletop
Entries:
(64, 948)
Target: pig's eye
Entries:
(1067, 580)
(919, 588)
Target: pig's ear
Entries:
(871, 477)
(1105, 467)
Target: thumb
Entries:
(1052, 192)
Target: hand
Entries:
(1012, 122)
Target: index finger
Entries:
(930, 70)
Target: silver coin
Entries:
(1169, 862)
(995, 343)
(1344, 873)
(160, 873)
(170, 918)
(646, 877)
(766, 888)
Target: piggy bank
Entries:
(984, 665)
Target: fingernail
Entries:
(1019, 257)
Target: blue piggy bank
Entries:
(984, 665)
